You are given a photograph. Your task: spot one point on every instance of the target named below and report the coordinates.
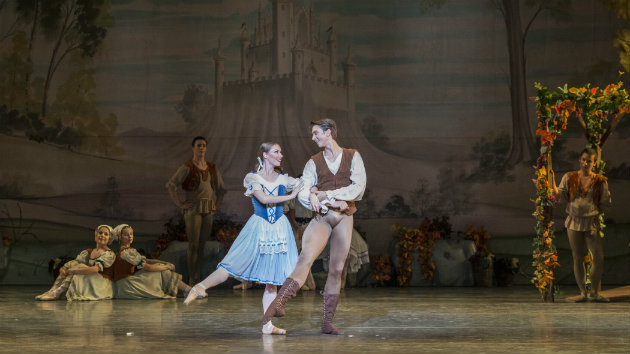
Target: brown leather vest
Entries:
(122, 268)
(327, 181)
(107, 273)
(192, 180)
(574, 186)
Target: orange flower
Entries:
(594, 91)
(558, 109)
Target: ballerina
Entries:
(265, 249)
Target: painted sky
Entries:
(442, 73)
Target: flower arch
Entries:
(598, 111)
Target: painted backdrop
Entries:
(99, 101)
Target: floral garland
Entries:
(480, 236)
(406, 247)
(227, 234)
(410, 239)
(223, 230)
(174, 229)
(553, 111)
(382, 268)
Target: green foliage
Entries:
(621, 8)
(454, 191)
(452, 196)
(424, 199)
(74, 112)
(396, 207)
(14, 71)
(174, 229)
(194, 99)
(622, 43)
(491, 152)
(366, 208)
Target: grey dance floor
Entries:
(379, 320)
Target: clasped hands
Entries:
(317, 197)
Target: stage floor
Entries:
(380, 320)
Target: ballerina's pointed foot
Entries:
(269, 328)
(196, 292)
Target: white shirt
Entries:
(351, 193)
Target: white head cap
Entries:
(118, 231)
(111, 232)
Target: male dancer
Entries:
(333, 180)
(204, 189)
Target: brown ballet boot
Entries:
(276, 308)
(330, 305)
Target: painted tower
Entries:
(288, 78)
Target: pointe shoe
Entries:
(269, 328)
(196, 292)
(52, 294)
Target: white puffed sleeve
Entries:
(251, 184)
(309, 176)
(105, 260)
(83, 257)
(132, 256)
(291, 183)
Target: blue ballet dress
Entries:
(265, 249)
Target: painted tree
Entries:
(518, 17)
(29, 13)
(194, 100)
(74, 26)
(14, 71)
(523, 147)
(9, 29)
(621, 9)
(74, 109)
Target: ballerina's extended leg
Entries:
(199, 290)
(268, 296)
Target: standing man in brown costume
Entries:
(586, 194)
(333, 180)
(203, 189)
